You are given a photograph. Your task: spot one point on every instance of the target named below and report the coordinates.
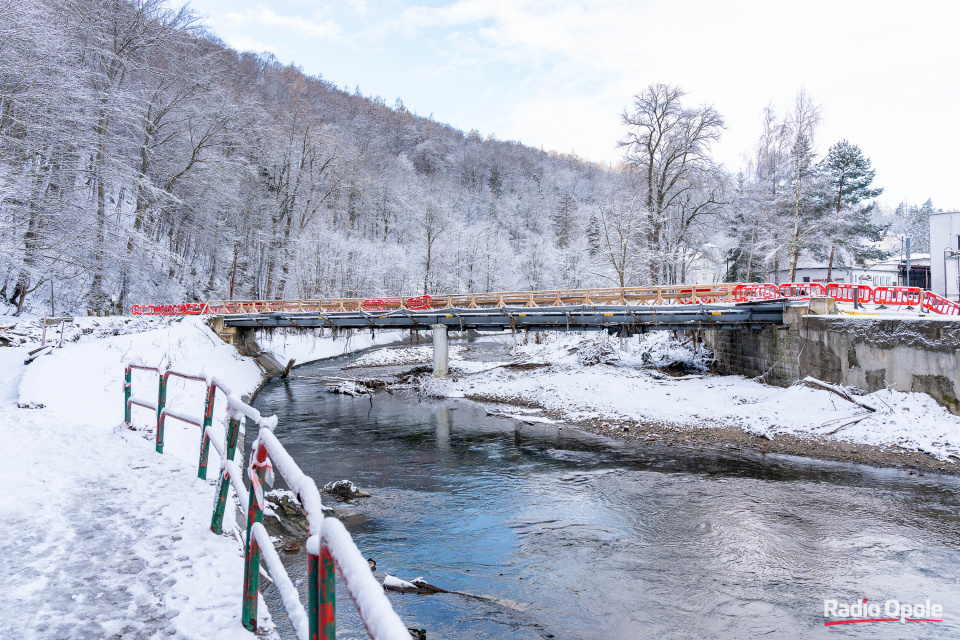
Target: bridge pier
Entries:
(441, 350)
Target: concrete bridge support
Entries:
(441, 351)
(917, 354)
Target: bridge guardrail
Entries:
(329, 547)
(634, 296)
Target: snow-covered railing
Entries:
(329, 546)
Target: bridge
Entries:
(622, 311)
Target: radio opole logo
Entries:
(890, 611)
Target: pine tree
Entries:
(851, 174)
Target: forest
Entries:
(143, 161)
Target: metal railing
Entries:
(329, 546)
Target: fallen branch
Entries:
(846, 424)
(838, 390)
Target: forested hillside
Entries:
(143, 161)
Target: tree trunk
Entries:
(96, 287)
(426, 273)
(233, 275)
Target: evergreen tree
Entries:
(850, 175)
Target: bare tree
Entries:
(623, 220)
(803, 124)
(669, 145)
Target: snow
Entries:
(381, 620)
(103, 537)
(393, 582)
(308, 347)
(303, 486)
(403, 356)
(288, 593)
(629, 390)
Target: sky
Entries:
(559, 74)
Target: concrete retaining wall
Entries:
(871, 353)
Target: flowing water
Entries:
(560, 534)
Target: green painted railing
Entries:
(329, 547)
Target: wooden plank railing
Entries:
(674, 294)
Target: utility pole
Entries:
(908, 262)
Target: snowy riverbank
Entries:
(103, 536)
(589, 381)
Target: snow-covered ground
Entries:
(625, 387)
(402, 356)
(103, 537)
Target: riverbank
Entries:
(659, 390)
(104, 537)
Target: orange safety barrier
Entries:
(374, 305)
(765, 291)
(939, 304)
(843, 292)
(418, 303)
(802, 289)
(190, 309)
(910, 296)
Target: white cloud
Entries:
(315, 27)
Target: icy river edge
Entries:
(655, 389)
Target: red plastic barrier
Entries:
(374, 305)
(939, 304)
(802, 289)
(842, 292)
(418, 303)
(191, 309)
(765, 291)
(910, 296)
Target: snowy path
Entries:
(104, 538)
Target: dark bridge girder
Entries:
(619, 318)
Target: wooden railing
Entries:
(675, 294)
(665, 295)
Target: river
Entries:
(562, 534)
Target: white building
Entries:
(945, 254)
(890, 272)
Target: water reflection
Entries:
(562, 534)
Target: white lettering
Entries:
(892, 608)
(873, 610)
(905, 612)
(843, 611)
(919, 611)
(936, 611)
(829, 608)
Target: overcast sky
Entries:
(557, 74)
